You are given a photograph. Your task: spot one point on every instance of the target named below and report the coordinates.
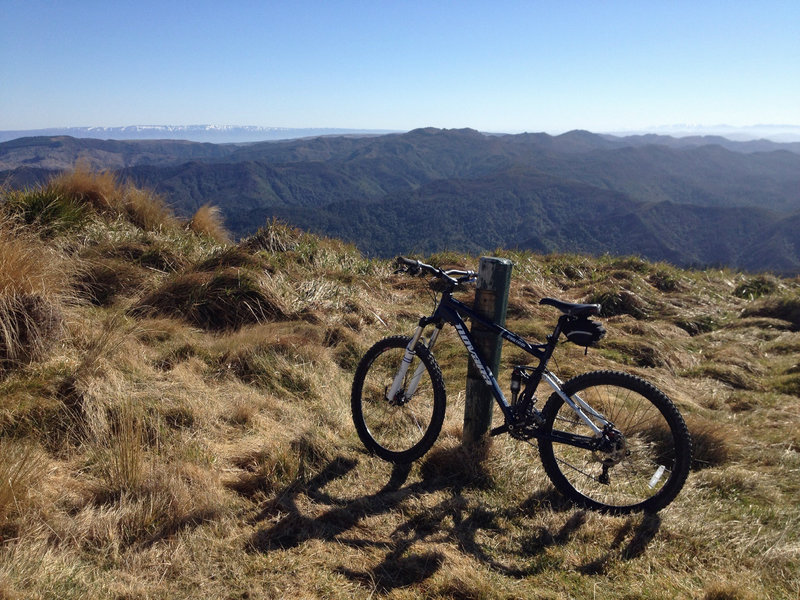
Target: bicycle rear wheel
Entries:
(404, 428)
(645, 471)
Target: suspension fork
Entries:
(412, 385)
(408, 357)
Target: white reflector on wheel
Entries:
(657, 475)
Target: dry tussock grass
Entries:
(22, 465)
(33, 288)
(274, 237)
(225, 299)
(100, 190)
(106, 195)
(785, 307)
(224, 460)
(208, 221)
(102, 281)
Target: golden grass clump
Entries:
(28, 266)
(124, 467)
(32, 286)
(208, 221)
(146, 209)
(106, 195)
(100, 190)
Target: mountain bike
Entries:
(608, 440)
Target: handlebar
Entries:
(451, 276)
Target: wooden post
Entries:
(491, 300)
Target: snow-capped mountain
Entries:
(219, 134)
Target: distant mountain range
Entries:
(218, 134)
(691, 201)
(237, 134)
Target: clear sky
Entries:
(602, 65)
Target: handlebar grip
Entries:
(414, 267)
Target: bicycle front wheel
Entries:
(648, 465)
(403, 428)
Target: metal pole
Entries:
(491, 300)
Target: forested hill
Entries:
(691, 201)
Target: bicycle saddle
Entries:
(572, 309)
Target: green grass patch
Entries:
(756, 287)
(49, 210)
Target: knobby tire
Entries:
(655, 463)
(398, 433)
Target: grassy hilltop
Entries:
(174, 420)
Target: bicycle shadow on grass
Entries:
(455, 519)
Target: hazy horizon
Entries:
(248, 133)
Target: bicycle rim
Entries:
(403, 428)
(645, 472)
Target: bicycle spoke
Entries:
(636, 467)
(401, 427)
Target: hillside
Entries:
(174, 419)
(376, 191)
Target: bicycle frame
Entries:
(450, 311)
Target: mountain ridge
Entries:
(552, 193)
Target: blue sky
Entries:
(494, 66)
